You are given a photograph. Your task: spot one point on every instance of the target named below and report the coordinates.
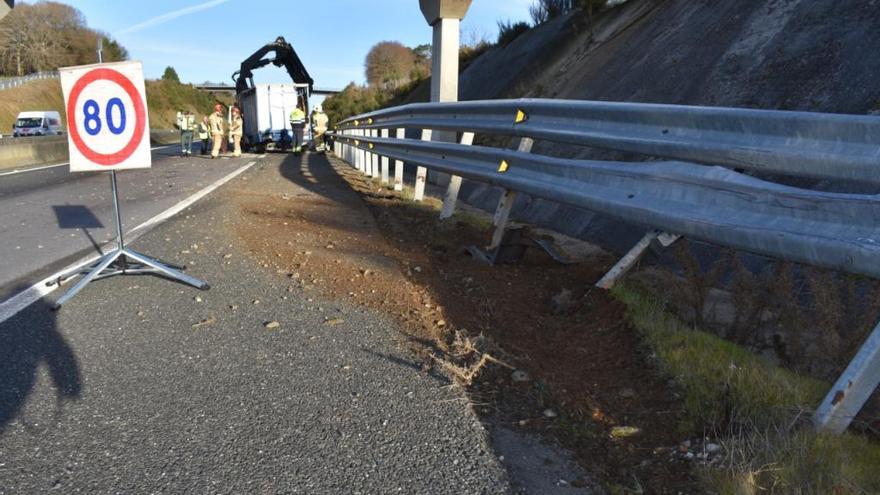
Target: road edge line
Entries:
(18, 302)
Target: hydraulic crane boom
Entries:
(284, 56)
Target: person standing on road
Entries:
(186, 122)
(298, 125)
(236, 129)
(320, 121)
(204, 134)
(216, 124)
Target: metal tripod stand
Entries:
(122, 261)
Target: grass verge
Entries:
(757, 410)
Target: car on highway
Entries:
(37, 123)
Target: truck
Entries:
(266, 109)
(37, 123)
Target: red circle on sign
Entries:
(140, 116)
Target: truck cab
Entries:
(39, 123)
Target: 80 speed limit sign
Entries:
(107, 123)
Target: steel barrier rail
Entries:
(711, 203)
(803, 144)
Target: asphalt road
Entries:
(140, 385)
(49, 217)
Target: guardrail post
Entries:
(398, 165)
(632, 257)
(362, 154)
(852, 389)
(505, 204)
(451, 197)
(374, 156)
(384, 161)
(422, 172)
(368, 155)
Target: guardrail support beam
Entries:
(852, 389)
(374, 157)
(451, 197)
(629, 260)
(505, 204)
(398, 165)
(421, 172)
(384, 161)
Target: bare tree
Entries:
(47, 35)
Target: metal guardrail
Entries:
(14, 82)
(710, 203)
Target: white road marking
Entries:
(25, 298)
(17, 171)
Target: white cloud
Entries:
(170, 16)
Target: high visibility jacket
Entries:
(235, 128)
(216, 123)
(297, 115)
(204, 131)
(320, 120)
(186, 122)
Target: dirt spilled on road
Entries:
(585, 371)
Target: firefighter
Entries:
(216, 123)
(236, 129)
(186, 122)
(319, 122)
(298, 124)
(204, 134)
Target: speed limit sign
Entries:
(107, 123)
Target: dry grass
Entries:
(758, 411)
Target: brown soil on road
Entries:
(333, 231)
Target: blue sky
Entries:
(206, 40)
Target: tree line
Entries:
(47, 35)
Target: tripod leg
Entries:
(169, 265)
(166, 271)
(97, 270)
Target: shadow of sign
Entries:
(28, 341)
(78, 217)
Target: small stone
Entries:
(256, 301)
(227, 256)
(713, 448)
(627, 393)
(625, 431)
(140, 313)
(206, 322)
(418, 269)
(519, 376)
(440, 323)
(562, 302)
(271, 325)
(197, 299)
(334, 321)
(233, 307)
(550, 413)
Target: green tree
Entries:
(170, 75)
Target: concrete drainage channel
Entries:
(34, 151)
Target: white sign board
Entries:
(107, 123)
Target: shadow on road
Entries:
(28, 341)
(78, 217)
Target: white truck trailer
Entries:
(266, 111)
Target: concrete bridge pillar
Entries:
(445, 17)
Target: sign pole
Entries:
(121, 260)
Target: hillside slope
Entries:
(163, 99)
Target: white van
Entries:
(42, 123)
